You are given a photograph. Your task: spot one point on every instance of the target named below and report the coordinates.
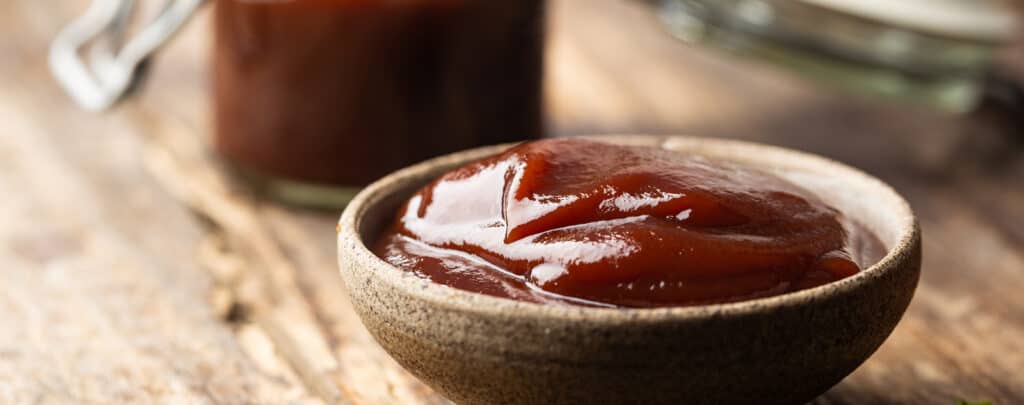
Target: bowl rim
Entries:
(350, 243)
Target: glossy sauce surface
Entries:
(577, 221)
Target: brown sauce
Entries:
(345, 91)
(576, 221)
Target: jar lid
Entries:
(980, 20)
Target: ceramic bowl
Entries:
(478, 349)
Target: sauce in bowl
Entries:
(584, 222)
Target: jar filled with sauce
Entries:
(315, 98)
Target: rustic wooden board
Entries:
(135, 270)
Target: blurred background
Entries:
(125, 221)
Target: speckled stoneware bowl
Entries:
(477, 349)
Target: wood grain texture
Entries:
(135, 270)
(101, 297)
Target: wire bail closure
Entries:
(114, 63)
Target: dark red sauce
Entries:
(578, 221)
(342, 92)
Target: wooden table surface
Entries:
(132, 269)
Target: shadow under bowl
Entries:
(478, 349)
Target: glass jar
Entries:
(315, 98)
(934, 53)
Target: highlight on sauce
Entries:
(583, 222)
